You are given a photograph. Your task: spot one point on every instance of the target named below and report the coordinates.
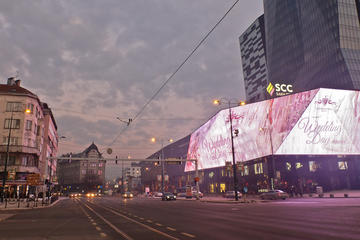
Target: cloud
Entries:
(93, 61)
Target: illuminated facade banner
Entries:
(321, 121)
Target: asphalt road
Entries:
(115, 218)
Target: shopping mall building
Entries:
(296, 142)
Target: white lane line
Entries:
(141, 224)
(149, 221)
(142, 218)
(110, 224)
(103, 234)
(171, 229)
(188, 235)
(97, 228)
(94, 223)
(159, 224)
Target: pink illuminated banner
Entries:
(321, 121)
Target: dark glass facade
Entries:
(253, 57)
(313, 43)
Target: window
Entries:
(13, 106)
(342, 165)
(15, 123)
(11, 161)
(313, 166)
(28, 125)
(222, 187)
(245, 170)
(83, 172)
(99, 172)
(25, 161)
(13, 140)
(38, 131)
(258, 167)
(30, 106)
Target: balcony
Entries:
(20, 148)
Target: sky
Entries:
(96, 61)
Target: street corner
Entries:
(5, 216)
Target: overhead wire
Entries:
(176, 70)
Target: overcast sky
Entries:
(93, 61)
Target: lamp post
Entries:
(162, 160)
(218, 102)
(8, 152)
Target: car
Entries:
(157, 195)
(231, 194)
(200, 194)
(75, 195)
(128, 195)
(274, 194)
(91, 195)
(168, 196)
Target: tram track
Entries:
(119, 221)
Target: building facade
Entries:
(25, 121)
(82, 175)
(253, 57)
(312, 44)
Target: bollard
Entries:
(346, 195)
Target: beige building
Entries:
(82, 175)
(30, 126)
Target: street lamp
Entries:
(7, 152)
(153, 140)
(242, 103)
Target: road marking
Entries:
(149, 221)
(171, 229)
(94, 223)
(142, 218)
(159, 224)
(97, 228)
(188, 235)
(110, 224)
(141, 224)
(102, 234)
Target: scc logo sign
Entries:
(280, 89)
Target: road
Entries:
(115, 218)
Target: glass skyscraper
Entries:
(313, 43)
(253, 57)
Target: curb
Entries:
(29, 208)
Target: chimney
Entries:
(17, 82)
(11, 81)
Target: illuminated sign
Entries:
(320, 121)
(279, 89)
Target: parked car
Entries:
(274, 194)
(168, 197)
(157, 195)
(128, 195)
(231, 194)
(200, 194)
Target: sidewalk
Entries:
(221, 199)
(22, 205)
(255, 198)
(337, 194)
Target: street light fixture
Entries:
(162, 158)
(8, 153)
(241, 103)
